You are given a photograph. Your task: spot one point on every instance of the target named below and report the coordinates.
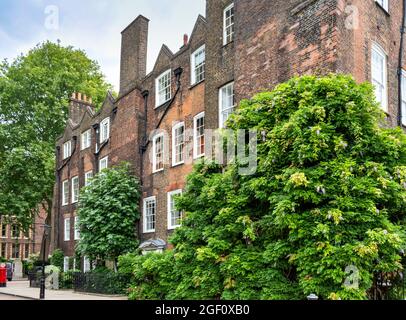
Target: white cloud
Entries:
(95, 26)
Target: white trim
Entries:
(107, 163)
(104, 136)
(67, 149)
(86, 264)
(164, 74)
(76, 235)
(169, 211)
(65, 200)
(65, 264)
(384, 4)
(225, 42)
(225, 87)
(174, 128)
(66, 229)
(154, 163)
(195, 146)
(144, 214)
(88, 176)
(73, 189)
(193, 64)
(376, 48)
(86, 139)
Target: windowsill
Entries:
(162, 104)
(227, 44)
(174, 165)
(173, 228)
(158, 171)
(192, 86)
(199, 156)
(149, 231)
(382, 8)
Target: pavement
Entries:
(21, 289)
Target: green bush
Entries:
(328, 196)
(57, 258)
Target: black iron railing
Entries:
(92, 282)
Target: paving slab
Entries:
(22, 289)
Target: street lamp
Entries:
(42, 288)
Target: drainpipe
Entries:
(58, 198)
(401, 51)
(143, 148)
(96, 154)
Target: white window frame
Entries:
(159, 90)
(144, 213)
(86, 264)
(196, 148)
(88, 176)
(66, 229)
(65, 264)
(404, 97)
(67, 149)
(154, 159)
(77, 231)
(65, 193)
(169, 205)
(75, 189)
(194, 67)
(104, 134)
(377, 49)
(175, 144)
(86, 139)
(384, 4)
(226, 26)
(1, 230)
(106, 159)
(221, 110)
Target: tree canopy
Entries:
(108, 214)
(324, 213)
(34, 93)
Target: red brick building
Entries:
(17, 245)
(240, 48)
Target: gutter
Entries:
(400, 66)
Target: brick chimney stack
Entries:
(77, 106)
(134, 42)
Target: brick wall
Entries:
(274, 40)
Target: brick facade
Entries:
(20, 246)
(272, 42)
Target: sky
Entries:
(95, 26)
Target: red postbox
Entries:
(3, 276)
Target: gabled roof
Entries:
(201, 21)
(165, 52)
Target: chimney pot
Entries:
(84, 98)
(185, 39)
(79, 96)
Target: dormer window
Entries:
(104, 130)
(86, 139)
(198, 60)
(163, 88)
(67, 149)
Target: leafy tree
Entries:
(34, 93)
(108, 213)
(328, 196)
(57, 258)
